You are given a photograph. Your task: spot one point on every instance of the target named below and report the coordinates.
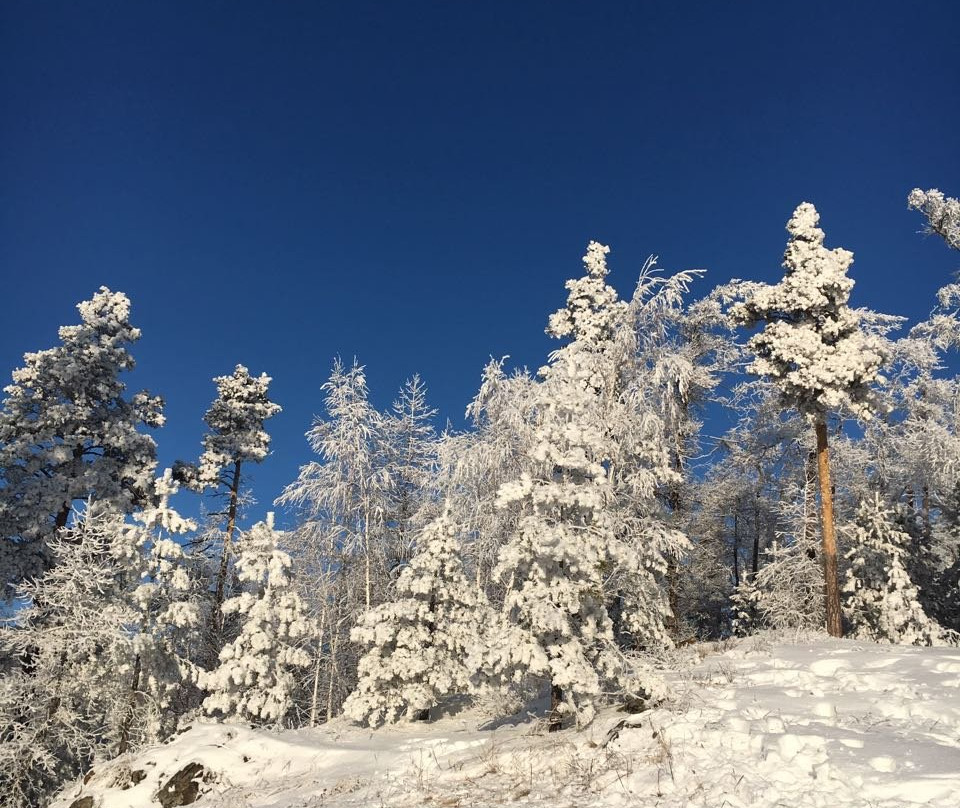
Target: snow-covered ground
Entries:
(753, 723)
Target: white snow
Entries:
(756, 722)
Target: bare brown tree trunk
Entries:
(831, 586)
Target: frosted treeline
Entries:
(542, 558)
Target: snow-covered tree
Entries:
(816, 352)
(474, 464)
(344, 494)
(68, 431)
(65, 641)
(344, 498)
(941, 212)
(97, 647)
(882, 603)
(417, 643)
(409, 447)
(668, 369)
(570, 539)
(255, 679)
(786, 591)
(236, 437)
(167, 602)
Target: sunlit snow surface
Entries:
(753, 723)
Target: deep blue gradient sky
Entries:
(412, 183)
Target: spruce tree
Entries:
(417, 643)
(255, 679)
(882, 603)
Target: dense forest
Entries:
(582, 524)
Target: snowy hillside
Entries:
(751, 723)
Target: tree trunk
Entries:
(810, 504)
(365, 516)
(64, 513)
(216, 627)
(755, 561)
(736, 547)
(831, 586)
(553, 717)
(335, 633)
(315, 696)
(131, 706)
(675, 501)
(62, 516)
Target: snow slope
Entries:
(752, 723)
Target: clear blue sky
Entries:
(412, 183)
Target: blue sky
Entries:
(412, 183)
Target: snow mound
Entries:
(827, 723)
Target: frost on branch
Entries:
(942, 214)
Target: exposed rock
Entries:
(83, 802)
(133, 778)
(633, 705)
(183, 788)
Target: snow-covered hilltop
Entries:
(754, 722)
(562, 547)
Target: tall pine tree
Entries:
(69, 431)
(815, 351)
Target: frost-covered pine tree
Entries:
(256, 679)
(417, 643)
(69, 431)
(814, 350)
(568, 543)
(882, 603)
(236, 437)
(942, 214)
